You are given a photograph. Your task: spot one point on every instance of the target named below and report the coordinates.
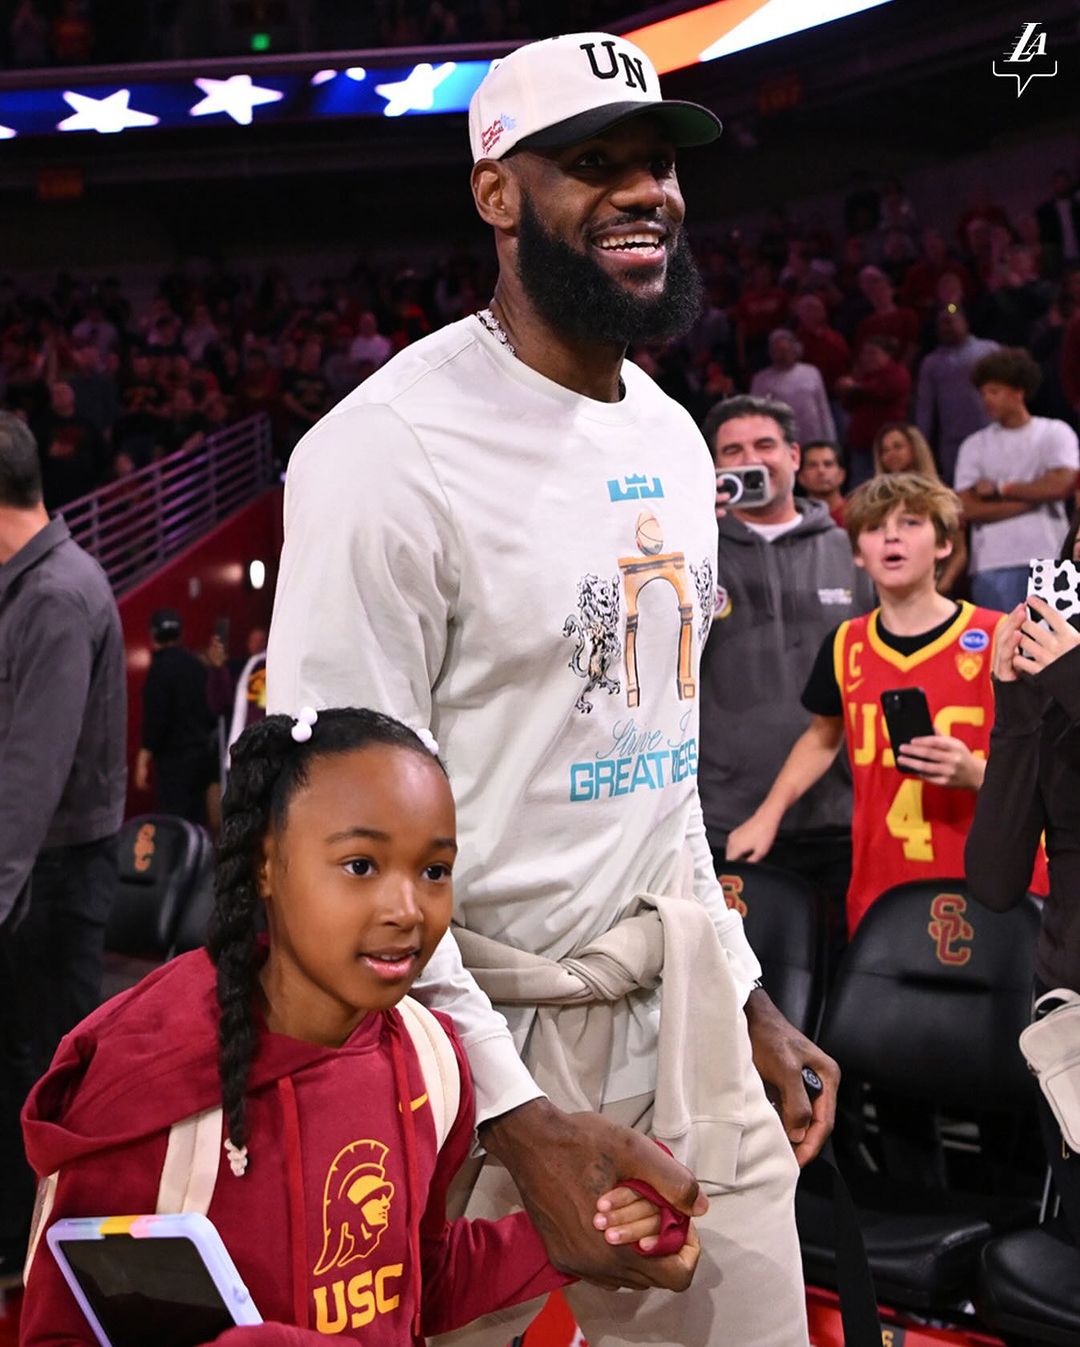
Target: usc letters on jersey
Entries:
(904, 828)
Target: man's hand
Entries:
(752, 840)
(985, 489)
(1039, 646)
(780, 1053)
(563, 1163)
(943, 760)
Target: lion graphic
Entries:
(596, 628)
(706, 596)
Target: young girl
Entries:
(329, 1191)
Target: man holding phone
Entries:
(912, 808)
(786, 579)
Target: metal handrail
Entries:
(133, 525)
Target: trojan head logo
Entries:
(733, 887)
(144, 847)
(948, 927)
(356, 1204)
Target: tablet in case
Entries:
(166, 1280)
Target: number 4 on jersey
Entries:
(905, 822)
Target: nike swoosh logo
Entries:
(414, 1104)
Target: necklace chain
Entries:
(488, 319)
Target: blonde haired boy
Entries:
(908, 824)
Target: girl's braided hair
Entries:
(267, 766)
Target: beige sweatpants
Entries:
(748, 1289)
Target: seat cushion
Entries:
(1029, 1282)
(923, 1247)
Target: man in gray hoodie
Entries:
(785, 579)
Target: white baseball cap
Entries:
(568, 88)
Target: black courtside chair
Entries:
(784, 925)
(1029, 1286)
(923, 1017)
(164, 864)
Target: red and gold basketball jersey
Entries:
(904, 828)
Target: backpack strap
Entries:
(43, 1205)
(438, 1064)
(191, 1164)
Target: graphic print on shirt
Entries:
(595, 627)
(357, 1202)
(637, 572)
(707, 597)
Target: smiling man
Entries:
(471, 543)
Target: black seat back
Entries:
(931, 995)
(784, 926)
(194, 923)
(160, 856)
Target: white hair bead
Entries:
(237, 1155)
(301, 730)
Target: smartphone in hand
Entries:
(907, 716)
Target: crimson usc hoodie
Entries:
(339, 1225)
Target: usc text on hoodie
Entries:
(339, 1224)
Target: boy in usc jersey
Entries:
(910, 823)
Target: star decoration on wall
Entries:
(106, 115)
(236, 96)
(417, 92)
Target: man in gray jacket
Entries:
(63, 723)
(785, 579)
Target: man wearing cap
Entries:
(471, 544)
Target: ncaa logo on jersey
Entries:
(732, 886)
(948, 927)
(974, 640)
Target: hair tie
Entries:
(301, 730)
(238, 1155)
(428, 740)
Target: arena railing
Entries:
(133, 525)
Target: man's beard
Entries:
(575, 296)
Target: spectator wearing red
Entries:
(918, 290)
(887, 318)
(762, 306)
(822, 346)
(877, 391)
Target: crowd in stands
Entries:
(38, 33)
(856, 333)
